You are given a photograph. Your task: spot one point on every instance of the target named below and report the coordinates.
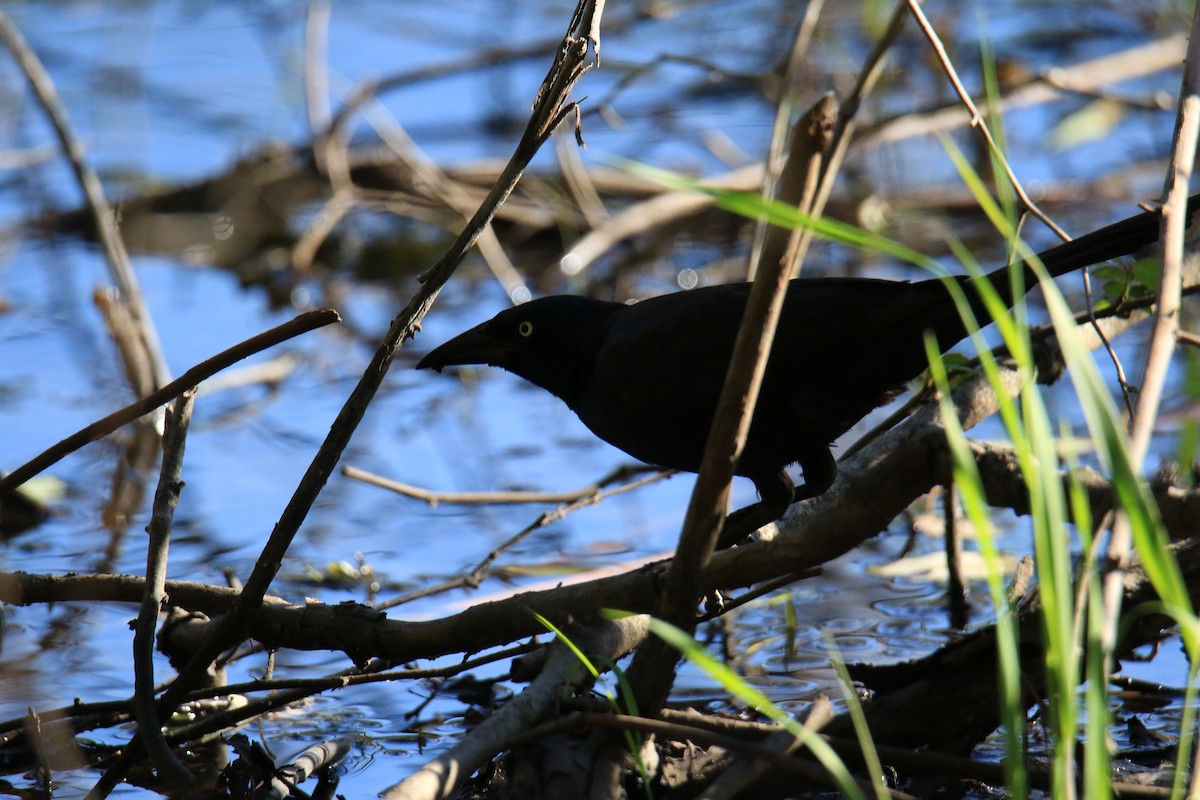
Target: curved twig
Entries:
(139, 408)
(165, 500)
(551, 107)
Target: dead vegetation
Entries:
(552, 738)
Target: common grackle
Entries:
(646, 377)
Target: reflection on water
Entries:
(196, 117)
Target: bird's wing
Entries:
(658, 372)
(667, 343)
(834, 319)
(680, 344)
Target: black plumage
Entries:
(646, 377)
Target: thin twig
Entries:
(551, 108)
(93, 192)
(481, 571)
(449, 194)
(658, 211)
(847, 119)
(374, 673)
(165, 499)
(1187, 338)
(761, 590)
(653, 667)
(977, 120)
(779, 129)
(139, 408)
(484, 58)
(579, 183)
(1125, 66)
(344, 199)
(956, 591)
(495, 498)
(1090, 307)
(316, 67)
(1166, 320)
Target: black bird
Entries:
(646, 377)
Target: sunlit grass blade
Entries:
(633, 740)
(1089, 619)
(752, 697)
(1096, 402)
(861, 731)
(1149, 538)
(570, 645)
(1069, 614)
(971, 493)
(753, 205)
(1036, 450)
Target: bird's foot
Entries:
(745, 521)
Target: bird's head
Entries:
(549, 342)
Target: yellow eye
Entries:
(525, 329)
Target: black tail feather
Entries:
(1119, 239)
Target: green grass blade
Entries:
(752, 697)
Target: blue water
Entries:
(163, 93)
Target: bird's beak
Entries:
(471, 347)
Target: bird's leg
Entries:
(775, 493)
(820, 468)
